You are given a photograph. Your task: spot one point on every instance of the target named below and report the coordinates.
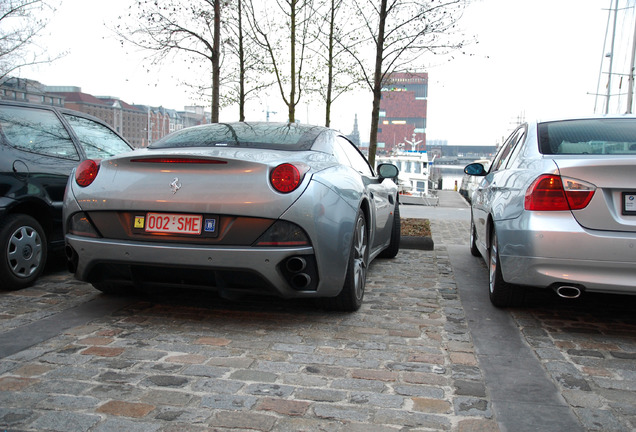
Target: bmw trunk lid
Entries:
(613, 206)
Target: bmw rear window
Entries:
(613, 136)
(272, 136)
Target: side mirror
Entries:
(389, 171)
(475, 169)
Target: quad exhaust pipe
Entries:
(299, 279)
(568, 291)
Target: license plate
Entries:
(173, 223)
(629, 203)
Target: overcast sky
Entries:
(533, 58)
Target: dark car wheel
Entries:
(394, 246)
(473, 239)
(502, 294)
(350, 298)
(22, 251)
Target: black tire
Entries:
(473, 239)
(350, 298)
(23, 251)
(394, 246)
(502, 294)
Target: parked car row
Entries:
(557, 209)
(296, 211)
(267, 208)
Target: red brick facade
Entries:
(403, 112)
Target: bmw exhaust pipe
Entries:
(568, 291)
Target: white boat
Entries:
(413, 179)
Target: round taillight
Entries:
(285, 178)
(86, 172)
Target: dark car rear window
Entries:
(588, 136)
(274, 136)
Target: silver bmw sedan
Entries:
(557, 209)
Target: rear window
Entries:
(273, 136)
(588, 136)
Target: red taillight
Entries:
(86, 172)
(285, 178)
(556, 193)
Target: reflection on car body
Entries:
(294, 210)
(553, 209)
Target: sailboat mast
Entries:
(609, 79)
(630, 92)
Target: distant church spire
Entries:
(355, 134)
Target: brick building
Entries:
(26, 90)
(403, 112)
(139, 124)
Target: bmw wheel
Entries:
(502, 294)
(22, 251)
(350, 298)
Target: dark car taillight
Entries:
(283, 233)
(555, 193)
(80, 224)
(86, 172)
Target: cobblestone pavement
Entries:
(405, 361)
(194, 362)
(587, 346)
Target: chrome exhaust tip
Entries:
(568, 291)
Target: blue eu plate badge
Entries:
(210, 225)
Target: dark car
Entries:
(39, 147)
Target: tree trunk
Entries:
(292, 74)
(330, 65)
(216, 68)
(377, 86)
(241, 63)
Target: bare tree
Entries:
(247, 71)
(21, 22)
(402, 31)
(336, 37)
(171, 27)
(283, 32)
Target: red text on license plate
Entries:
(173, 223)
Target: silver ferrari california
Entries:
(557, 209)
(267, 208)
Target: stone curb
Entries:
(417, 242)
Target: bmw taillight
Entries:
(287, 177)
(86, 172)
(555, 193)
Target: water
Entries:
(450, 176)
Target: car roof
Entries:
(59, 109)
(549, 119)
